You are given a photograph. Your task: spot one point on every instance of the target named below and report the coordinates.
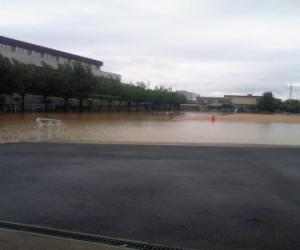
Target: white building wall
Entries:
(36, 58)
(106, 74)
(247, 100)
(21, 55)
(243, 100)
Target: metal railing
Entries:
(10, 108)
(47, 129)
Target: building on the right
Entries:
(229, 102)
(245, 102)
(248, 100)
(212, 102)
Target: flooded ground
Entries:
(191, 128)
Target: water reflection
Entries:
(155, 128)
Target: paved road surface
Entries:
(16, 240)
(197, 197)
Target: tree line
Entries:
(74, 80)
(268, 103)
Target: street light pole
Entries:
(291, 91)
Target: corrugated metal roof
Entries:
(41, 49)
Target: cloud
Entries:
(210, 47)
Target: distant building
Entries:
(189, 96)
(210, 101)
(242, 100)
(236, 102)
(34, 54)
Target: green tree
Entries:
(77, 81)
(23, 80)
(291, 106)
(66, 83)
(177, 99)
(46, 82)
(6, 76)
(85, 83)
(128, 94)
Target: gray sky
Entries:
(207, 46)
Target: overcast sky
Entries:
(205, 46)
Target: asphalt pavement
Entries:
(203, 197)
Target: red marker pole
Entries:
(213, 118)
(171, 115)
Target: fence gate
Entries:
(48, 129)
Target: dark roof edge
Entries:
(218, 97)
(212, 97)
(41, 49)
(242, 96)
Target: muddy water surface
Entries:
(195, 128)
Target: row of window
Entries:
(42, 55)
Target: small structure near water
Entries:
(47, 129)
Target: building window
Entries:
(29, 52)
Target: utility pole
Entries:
(291, 91)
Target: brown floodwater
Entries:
(190, 128)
